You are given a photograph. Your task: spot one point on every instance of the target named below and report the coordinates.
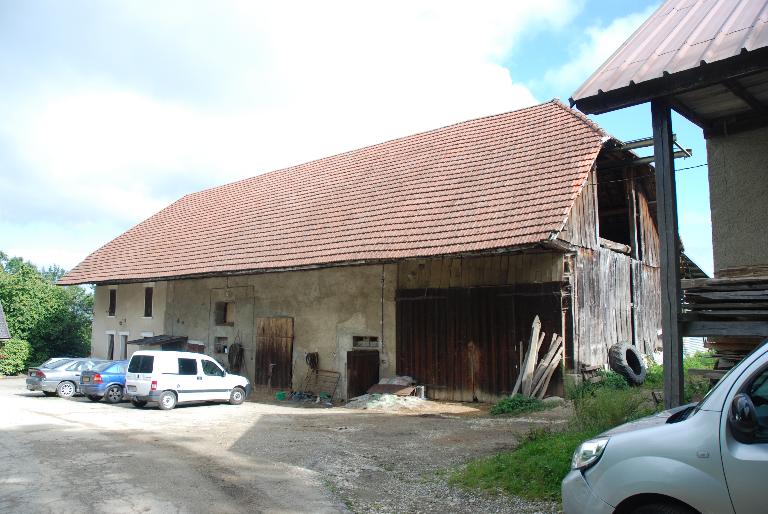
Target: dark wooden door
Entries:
(362, 371)
(273, 360)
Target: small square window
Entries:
(365, 342)
(224, 313)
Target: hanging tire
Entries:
(624, 359)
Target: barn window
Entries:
(148, 293)
(224, 313)
(112, 302)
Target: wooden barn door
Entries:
(362, 371)
(273, 360)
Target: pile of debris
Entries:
(533, 379)
(389, 402)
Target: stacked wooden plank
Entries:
(734, 298)
(534, 378)
(731, 310)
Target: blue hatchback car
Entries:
(107, 380)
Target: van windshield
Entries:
(141, 364)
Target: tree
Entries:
(56, 321)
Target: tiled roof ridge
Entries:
(395, 140)
(581, 117)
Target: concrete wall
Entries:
(738, 188)
(328, 307)
(129, 317)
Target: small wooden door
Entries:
(273, 361)
(362, 371)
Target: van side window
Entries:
(210, 368)
(758, 392)
(187, 366)
(141, 364)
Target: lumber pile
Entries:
(534, 378)
(731, 298)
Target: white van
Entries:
(171, 377)
(710, 457)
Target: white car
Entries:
(169, 378)
(710, 457)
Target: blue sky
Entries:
(112, 110)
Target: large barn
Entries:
(427, 256)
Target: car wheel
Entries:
(94, 397)
(139, 404)
(167, 400)
(66, 389)
(663, 508)
(237, 396)
(114, 394)
(49, 393)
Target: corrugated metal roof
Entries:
(497, 182)
(4, 333)
(682, 35)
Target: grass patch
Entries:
(695, 387)
(533, 471)
(517, 404)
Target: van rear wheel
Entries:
(237, 396)
(167, 400)
(139, 404)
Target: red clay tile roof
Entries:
(497, 182)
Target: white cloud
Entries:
(161, 100)
(600, 44)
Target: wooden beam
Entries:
(669, 254)
(723, 328)
(739, 90)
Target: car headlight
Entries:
(588, 453)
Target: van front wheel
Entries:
(237, 396)
(167, 400)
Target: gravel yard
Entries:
(264, 457)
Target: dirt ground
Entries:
(78, 456)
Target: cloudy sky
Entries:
(109, 111)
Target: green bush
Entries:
(13, 356)
(608, 380)
(694, 386)
(517, 404)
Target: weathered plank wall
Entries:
(465, 343)
(646, 298)
(602, 302)
(649, 234)
(492, 270)
(581, 227)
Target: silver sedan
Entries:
(59, 376)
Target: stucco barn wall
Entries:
(129, 315)
(738, 188)
(328, 307)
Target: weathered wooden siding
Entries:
(467, 343)
(492, 270)
(646, 299)
(648, 232)
(581, 227)
(602, 303)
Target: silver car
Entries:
(59, 376)
(710, 457)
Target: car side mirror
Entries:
(742, 418)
